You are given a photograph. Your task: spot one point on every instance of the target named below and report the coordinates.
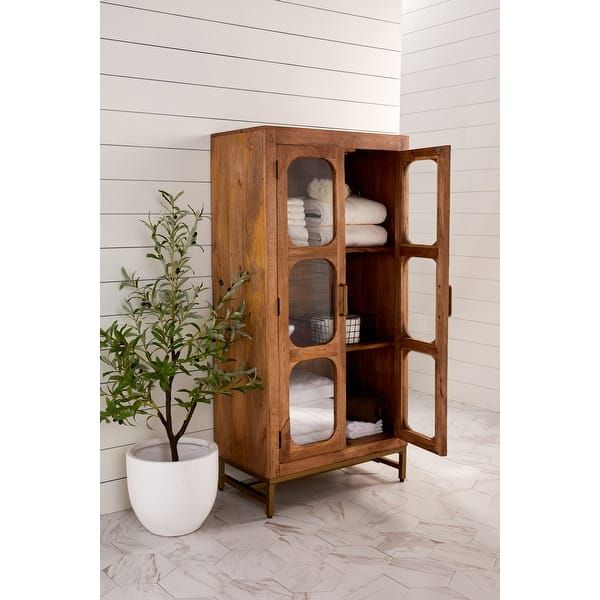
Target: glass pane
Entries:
(312, 393)
(421, 393)
(311, 300)
(421, 299)
(311, 214)
(422, 202)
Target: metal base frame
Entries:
(266, 495)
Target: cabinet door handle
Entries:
(344, 291)
(449, 301)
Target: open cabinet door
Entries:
(425, 357)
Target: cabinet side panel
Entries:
(239, 243)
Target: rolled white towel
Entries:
(356, 235)
(322, 189)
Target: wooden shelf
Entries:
(368, 439)
(373, 345)
(369, 250)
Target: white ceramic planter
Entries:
(172, 498)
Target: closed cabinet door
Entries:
(311, 295)
(425, 296)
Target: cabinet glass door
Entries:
(311, 276)
(424, 296)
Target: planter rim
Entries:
(212, 446)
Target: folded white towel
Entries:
(297, 222)
(357, 211)
(357, 429)
(297, 232)
(322, 189)
(356, 235)
(307, 387)
(295, 201)
(295, 211)
(296, 242)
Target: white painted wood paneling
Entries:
(212, 37)
(449, 95)
(173, 73)
(149, 62)
(295, 18)
(385, 10)
(452, 31)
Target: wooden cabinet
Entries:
(295, 289)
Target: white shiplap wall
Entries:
(175, 71)
(449, 95)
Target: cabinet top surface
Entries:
(308, 135)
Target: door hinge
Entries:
(276, 169)
(280, 440)
(278, 306)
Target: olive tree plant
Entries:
(166, 336)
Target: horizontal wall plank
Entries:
(133, 60)
(478, 136)
(447, 33)
(114, 496)
(474, 395)
(461, 202)
(445, 12)
(473, 331)
(457, 371)
(292, 18)
(468, 93)
(462, 308)
(159, 29)
(387, 10)
(161, 131)
(454, 74)
(143, 197)
(460, 116)
(120, 162)
(180, 99)
(462, 223)
(462, 266)
(129, 231)
(463, 51)
(478, 354)
(134, 260)
(459, 391)
(462, 287)
(409, 6)
(463, 159)
(487, 180)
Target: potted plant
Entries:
(172, 482)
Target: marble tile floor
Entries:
(352, 534)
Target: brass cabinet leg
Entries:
(402, 464)
(270, 499)
(221, 483)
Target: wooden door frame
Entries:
(439, 252)
(287, 256)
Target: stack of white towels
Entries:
(362, 217)
(312, 410)
(297, 231)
